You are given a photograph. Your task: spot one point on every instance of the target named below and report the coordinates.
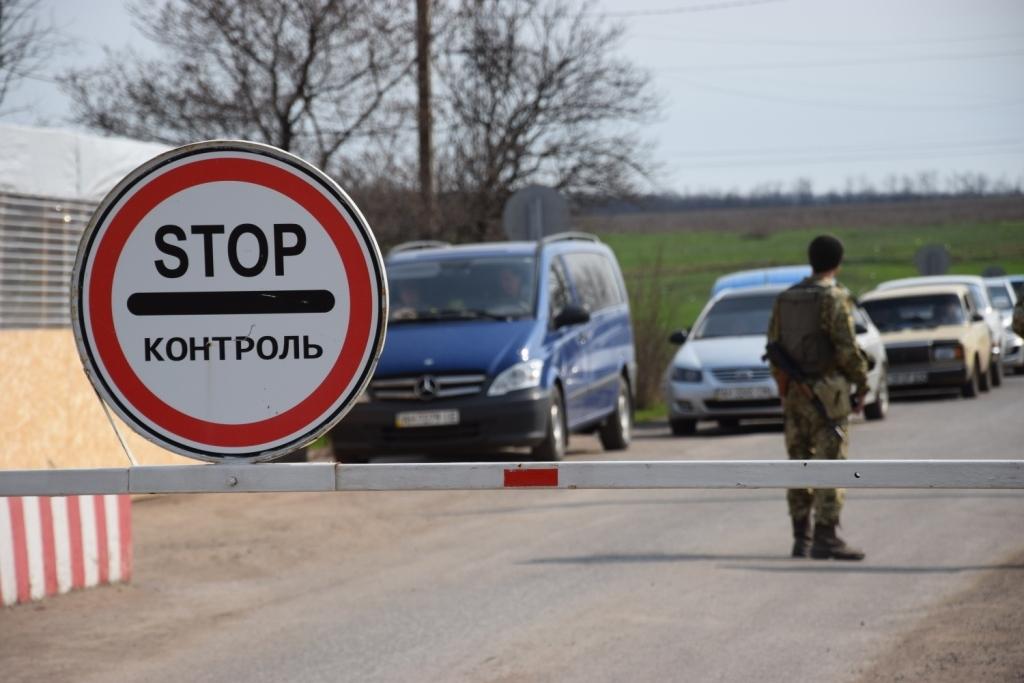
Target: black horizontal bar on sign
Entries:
(229, 303)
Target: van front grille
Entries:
(426, 387)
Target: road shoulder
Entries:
(972, 636)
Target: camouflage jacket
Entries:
(837, 324)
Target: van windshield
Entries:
(500, 288)
(912, 312)
(737, 316)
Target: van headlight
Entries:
(525, 375)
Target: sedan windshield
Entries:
(498, 288)
(1000, 297)
(916, 312)
(737, 316)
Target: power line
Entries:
(931, 108)
(845, 158)
(687, 9)
(842, 63)
(923, 145)
(895, 42)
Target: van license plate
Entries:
(897, 379)
(427, 418)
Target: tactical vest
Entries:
(800, 330)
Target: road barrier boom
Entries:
(311, 477)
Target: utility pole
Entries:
(424, 119)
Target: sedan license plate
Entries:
(427, 418)
(897, 379)
(743, 393)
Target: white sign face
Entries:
(229, 301)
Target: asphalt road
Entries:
(503, 586)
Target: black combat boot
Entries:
(829, 546)
(801, 537)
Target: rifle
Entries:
(775, 353)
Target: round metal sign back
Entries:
(229, 301)
(534, 212)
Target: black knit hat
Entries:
(825, 253)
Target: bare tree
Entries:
(533, 92)
(26, 42)
(652, 307)
(309, 76)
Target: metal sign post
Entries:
(229, 301)
(535, 212)
(932, 259)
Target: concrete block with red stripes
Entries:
(51, 545)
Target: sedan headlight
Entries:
(952, 352)
(681, 374)
(525, 375)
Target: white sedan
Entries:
(718, 372)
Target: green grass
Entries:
(691, 260)
(323, 442)
(652, 413)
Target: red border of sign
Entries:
(101, 322)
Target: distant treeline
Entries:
(900, 190)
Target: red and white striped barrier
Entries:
(51, 545)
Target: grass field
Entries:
(689, 262)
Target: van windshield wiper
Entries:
(451, 314)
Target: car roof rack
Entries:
(566, 236)
(417, 244)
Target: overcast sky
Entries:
(759, 91)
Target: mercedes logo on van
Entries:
(426, 387)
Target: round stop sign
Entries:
(229, 301)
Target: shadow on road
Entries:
(742, 496)
(660, 430)
(814, 567)
(785, 564)
(642, 558)
(932, 396)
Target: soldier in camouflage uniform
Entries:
(1018, 318)
(813, 321)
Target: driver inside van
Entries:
(407, 304)
(511, 290)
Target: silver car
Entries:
(718, 373)
(1004, 298)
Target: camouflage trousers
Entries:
(808, 437)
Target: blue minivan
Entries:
(500, 344)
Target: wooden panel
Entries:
(52, 417)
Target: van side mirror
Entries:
(678, 337)
(977, 318)
(572, 314)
